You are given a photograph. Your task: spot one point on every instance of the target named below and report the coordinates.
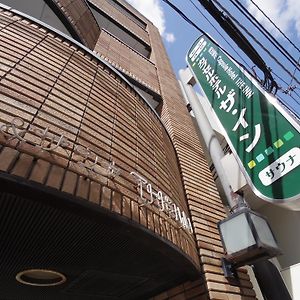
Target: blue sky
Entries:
(178, 35)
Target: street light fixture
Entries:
(246, 237)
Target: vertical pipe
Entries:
(213, 146)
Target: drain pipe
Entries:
(213, 146)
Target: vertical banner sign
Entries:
(261, 134)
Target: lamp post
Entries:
(247, 238)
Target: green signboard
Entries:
(262, 135)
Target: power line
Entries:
(260, 44)
(242, 42)
(184, 16)
(290, 109)
(199, 29)
(214, 27)
(284, 81)
(291, 88)
(265, 32)
(274, 25)
(293, 77)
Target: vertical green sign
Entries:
(262, 135)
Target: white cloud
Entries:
(170, 37)
(153, 11)
(284, 13)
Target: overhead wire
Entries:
(242, 42)
(183, 16)
(293, 77)
(291, 59)
(257, 41)
(287, 38)
(269, 19)
(218, 31)
(188, 20)
(290, 109)
(290, 88)
(265, 32)
(284, 81)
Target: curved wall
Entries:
(81, 19)
(73, 18)
(65, 117)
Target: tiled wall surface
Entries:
(126, 22)
(49, 84)
(127, 61)
(81, 19)
(203, 200)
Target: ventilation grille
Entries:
(108, 286)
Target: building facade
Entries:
(105, 189)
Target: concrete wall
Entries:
(285, 224)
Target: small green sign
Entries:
(262, 135)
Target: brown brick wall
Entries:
(50, 83)
(82, 20)
(127, 61)
(202, 196)
(115, 14)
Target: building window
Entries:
(127, 13)
(45, 11)
(120, 32)
(153, 99)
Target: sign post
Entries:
(264, 138)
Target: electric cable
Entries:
(290, 109)
(218, 31)
(178, 11)
(241, 41)
(274, 25)
(265, 32)
(293, 77)
(284, 81)
(258, 42)
(199, 29)
(184, 16)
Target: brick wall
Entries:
(81, 19)
(115, 14)
(47, 83)
(203, 200)
(71, 81)
(127, 61)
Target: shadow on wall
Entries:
(284, 224)
(291, 277)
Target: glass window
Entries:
(40, 10)
(120, 32)
(153, 99)
(127, 13)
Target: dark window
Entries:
(45, 11)
(120, 32)
(127, 13)
(153, 99)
